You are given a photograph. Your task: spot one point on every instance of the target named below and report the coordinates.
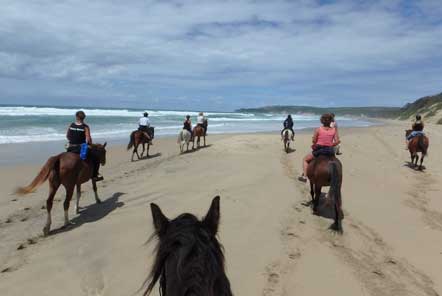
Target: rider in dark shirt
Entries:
(288, 124)
(187, 124)
(79, 133)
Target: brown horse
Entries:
(327, 171)
(198, 132)
(287, 137)
(417, 144)
(69, 170)
(136, 138)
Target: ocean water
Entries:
(23, 124)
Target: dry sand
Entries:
(392, 244)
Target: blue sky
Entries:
(219, 55)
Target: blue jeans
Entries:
(415, 134)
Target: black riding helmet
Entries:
(145, 114)
(418, 117)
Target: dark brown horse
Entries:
(327, 171)
(136, 138)
(198, 132)
(69, 170)
(189, 259)
(417, 144)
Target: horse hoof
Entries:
(46, 231)
(336, 228)
(98, 201)
(315, 212)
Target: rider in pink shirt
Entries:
(324, 139)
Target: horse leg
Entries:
(312, 191)
(204, 137)
(69, 192)
(421, 162)
(144, 149)
(136, 150)
(77, 205)
(318, 190)
(53, 187)
(94, 185)
(147, 151)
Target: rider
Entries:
(79, 133)
(324, 139)
(201, 120)
(144, 126)
(417, 127)
(187, 124)
(288, 124)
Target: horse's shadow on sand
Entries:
(92, 213)
(196, 149)
(408, 164)
(158, 154)
(290, 150)
(325, 207)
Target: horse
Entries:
(184, 137)
(69, 170)
(189, 260)
(417, 144)
(198, 132)
(136, 138)
(327, 171)
(287, 138)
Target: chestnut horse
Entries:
(327, 171)
(417, 144)
(287, 138)
(199, 131)
(189, 259)
(69, 170)
(136, 138)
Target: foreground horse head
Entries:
(327, 171)
(189, 259)
(417, 144)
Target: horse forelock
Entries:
(195, 256)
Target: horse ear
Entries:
(160, 221)
(211, 221)
(104, 145)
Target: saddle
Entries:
(323, 151)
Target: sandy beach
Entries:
(392, 241)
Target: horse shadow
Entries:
(290, 150)
(325, 207)
(92, 213)
(196, 149)
(410, 165)
(158, 154)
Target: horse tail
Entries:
(335, 183)
(421, 144)
(131, 141)
(53, 164)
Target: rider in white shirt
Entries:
(201, 120)
(144, 126)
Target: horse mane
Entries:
(198, 255)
